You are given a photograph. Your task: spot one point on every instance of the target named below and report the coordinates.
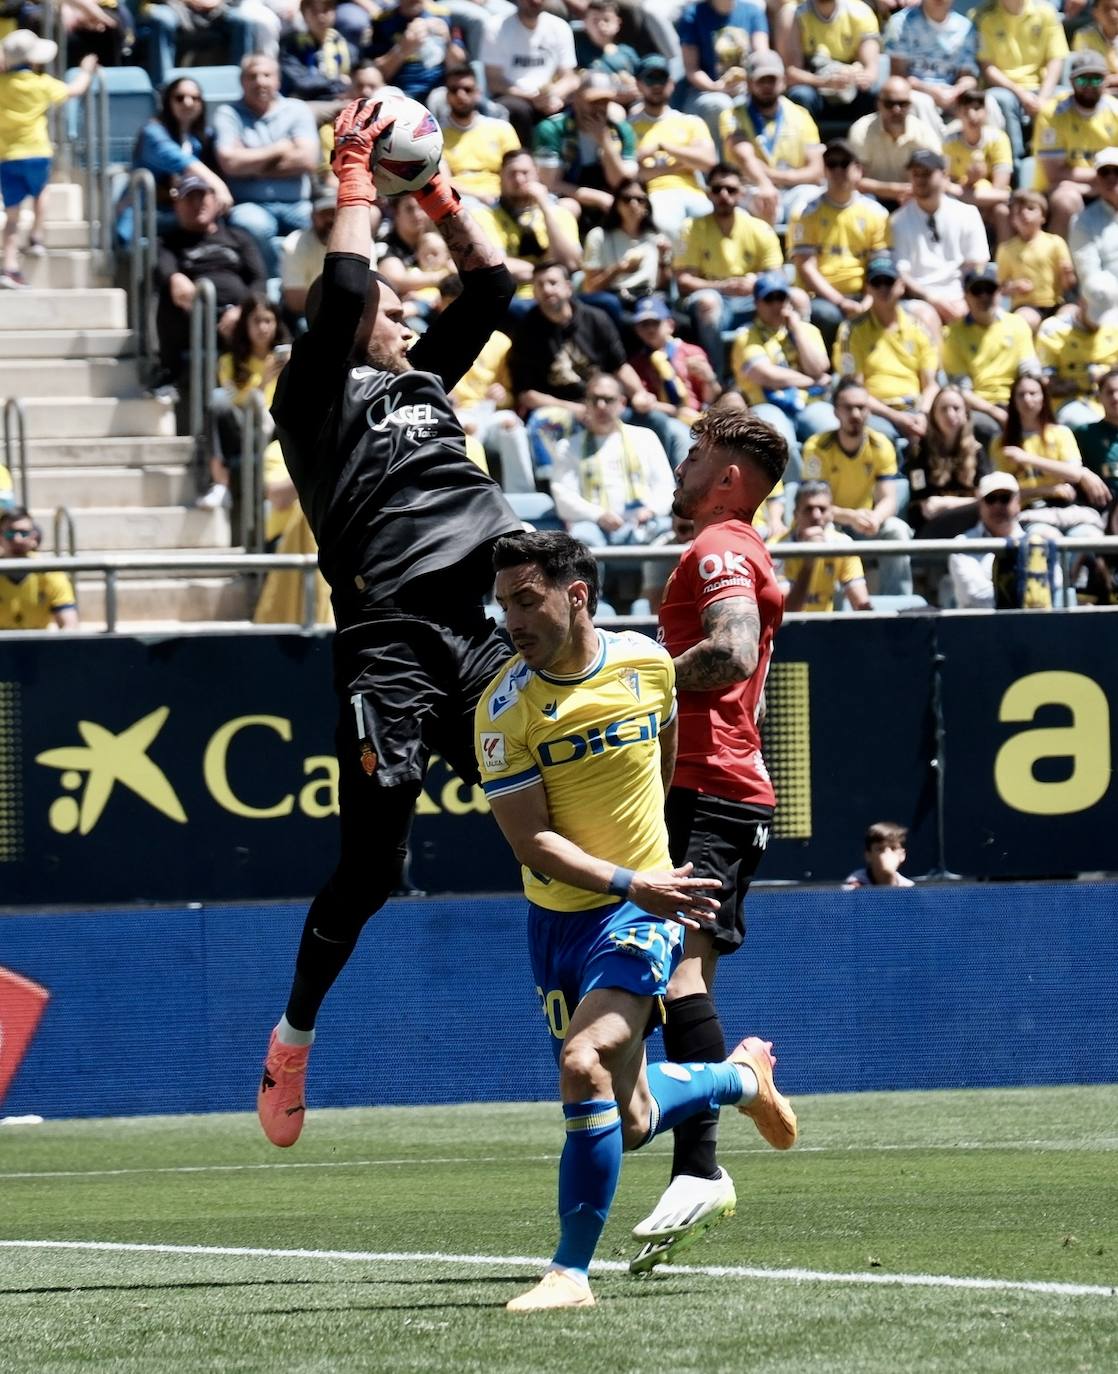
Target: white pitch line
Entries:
(1105, 1143)
(714, 1271)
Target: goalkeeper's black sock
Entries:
(323, 954)
(693, 1034)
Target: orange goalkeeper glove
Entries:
(356, 131)
(438, 199)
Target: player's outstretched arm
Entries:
(525, 822)
(729, 652)
(469, 247)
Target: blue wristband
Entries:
(620, 882)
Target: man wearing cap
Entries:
(1067, 137)
(774, 141)
(1076, 351)
(716, 38)
(782, 368)
(1093, 239)
(304, 253)
(200, 245)
(1021, 51)
(267, 148)
(673, 149)
(677, 373)
(984, 352)
(718, 263)
(935, 240)
(884, 142)
(25, 148)
(833, 238)
(589, 149)
(891, 353)
(999, 517)
(936, 48)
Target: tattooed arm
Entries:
(728, 654)
(468, 244)
(669, 747)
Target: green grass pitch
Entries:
(416, 1225)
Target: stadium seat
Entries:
(219, 85)
(536, 508)
(132, 103)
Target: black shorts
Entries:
(724, 840)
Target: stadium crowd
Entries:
(891, 230)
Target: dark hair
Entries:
(513, 154)
(724, 169)
(886, 832)
(458, 71)
(561, 559)
(847, 384)
(166, 117)
(240, 345)
(1013, 432)
(742, 435)
(812, 488)
(1107, 377)
(15, 513)
(546, 265)
(613, 214)
(610, 5)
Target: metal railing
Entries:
(111, 566)
(203, 369)
(15, 448)
(141, 271)
(93, 148)
(64, 528)
(253, 442)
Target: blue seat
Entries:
(219, 85)
(131, 104)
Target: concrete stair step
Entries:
(101, 529)
(100, 418)
(80, 488)
(92, 308)
(64, 201)
(62, 269)
(62, 343)
(59, 233)
(119, 452)
(74, 378)
(167, 599)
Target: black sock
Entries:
(693, 1034)
(320, 959)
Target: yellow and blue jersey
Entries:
(592, 741)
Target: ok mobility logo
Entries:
(91, 772)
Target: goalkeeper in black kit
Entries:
(405, 524)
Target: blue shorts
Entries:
(23, 178)
(615, 946)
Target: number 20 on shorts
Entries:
(555, 1009)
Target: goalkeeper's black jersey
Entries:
(379, 458)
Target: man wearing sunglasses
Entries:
(672, 148)
(984, 352)
(31, 600)
(1067, 137)
(999, 517)
(886, 140)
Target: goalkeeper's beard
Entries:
(387, 362)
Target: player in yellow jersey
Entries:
(575, 741)
(833, 238)
(1069, 134)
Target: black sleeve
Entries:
(529, 359)
(253, 272)
(607, 342)
(320, 358)
(456, 337)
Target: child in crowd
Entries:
(1034, 267)
(980, 162)
(26, 94)
(885, 853)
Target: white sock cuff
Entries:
(286, 1034)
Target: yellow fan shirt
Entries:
(892, 360)
(1071, 353)
(677, 131)
(990, 355)
(991, 154)
(751, 246)
(758, 341)
(827, 574)
(1092, 39)
(1064, 132)
(852, 477)
(1042, 260)
(25, 98)
(505, 230)
(474, 155)
(842, 34)
(782, 141)
(1020, 45)
(1057, 443)
(842, 237)
(30, 602)
(592, 741)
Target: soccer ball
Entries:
(408, 154)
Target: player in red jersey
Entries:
(721, 607)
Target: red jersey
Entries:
(719, 740)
